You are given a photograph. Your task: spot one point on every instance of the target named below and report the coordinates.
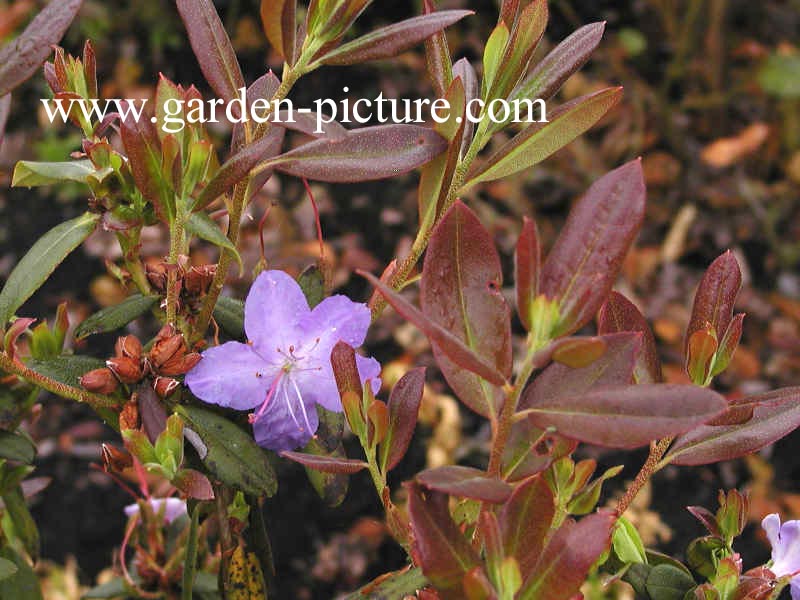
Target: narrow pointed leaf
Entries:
(443, 552)
(465, 482)
(587, 256)
(460, 292)
(22, 57)
(143, 148)
(399, 584)
(212, 47)
(404, 403)
(464, 70)
(65, 369)
(35, 267)
(628, 416)
(776, 414)
(390, 41)
(549, 75)
(437, 53)
(451, 345)
(365, 154)
(237, 167)
(716, 296)
(539, 140)
(278, 21)
(33, 174)
(527, 266)
(326, 464)
(728, 345)
(614, 367)
(201, 225)
(619, 314)
(565, 563)
(525, 521)
(116, 316)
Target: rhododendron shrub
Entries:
(226, 388)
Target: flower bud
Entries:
(129, 415)
(100, 381)
(126, 369)
(164, 386)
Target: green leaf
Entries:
(313, 285)
(24, 526)
(399, 584)
(23, 584)
(201, 225)
(665, 582)
(626, 542)
(230, 454)
(41, 260)
(33, 174)
(117, 316)
(539, 140)
(229, 314)
(65, 369)
(7, 568)
(14, 446)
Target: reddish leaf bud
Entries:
(180, 364)
(126, 369)
(100, 381)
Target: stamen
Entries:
(253, 417)
(302, 406)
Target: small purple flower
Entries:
(173, 508)
(785, 541)
(285, 368)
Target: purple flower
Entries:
(785, 541)
(173, 508)
(284, 370)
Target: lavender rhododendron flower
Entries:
(173, 508)
(785, 541)
(284, 370)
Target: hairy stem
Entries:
(237, 205)
(60, 389)
(651, 466)
(176, 241)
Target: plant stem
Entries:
(176, 241)
(651, 465)
(60, 389)
(226, 541)
(190, 561)
(236, 208)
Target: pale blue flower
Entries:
(284, 370)
(173, 508)
(785, 541)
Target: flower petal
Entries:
(320, 384)
(232, 375)
(273, 308)
(369, 368)
(788, 559)
(337, 318)
(771, 524)
(283, 425)
(794, 586)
